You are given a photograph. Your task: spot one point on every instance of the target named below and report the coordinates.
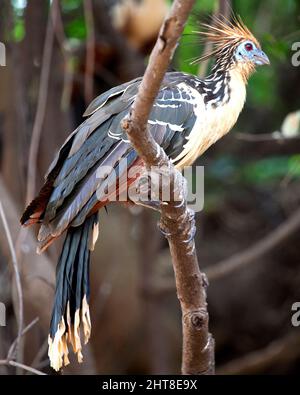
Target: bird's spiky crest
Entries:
(223, 33)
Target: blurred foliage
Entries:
(71, 5)
(75, 28)
(263, 171)
(18, 31)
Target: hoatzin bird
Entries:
(188, 116)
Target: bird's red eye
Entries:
(248, 47)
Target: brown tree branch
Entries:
(177, 221)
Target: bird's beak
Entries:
(260, 58)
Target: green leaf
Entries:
(18, 32)
(76, 29)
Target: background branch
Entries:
(250, 255)
(41, 108)
(13, 347)
(19, 308)
(21, 366)
(272, 240)
(265, 137)
(285, 349)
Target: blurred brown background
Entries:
(57, 60)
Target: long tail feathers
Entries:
(71, 314)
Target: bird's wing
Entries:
(73, 150)
(125, 89)
(174, 109)
(101, 108)
(100, 141)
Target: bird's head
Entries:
(249, 52)
(233, 46)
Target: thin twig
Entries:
(17, 278)
(90, 51)
(177, 221)
(282, 350)
(12, 348)
(21, 366)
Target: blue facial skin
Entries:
(247, 51)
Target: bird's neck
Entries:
(226, 82)
(216, 87)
